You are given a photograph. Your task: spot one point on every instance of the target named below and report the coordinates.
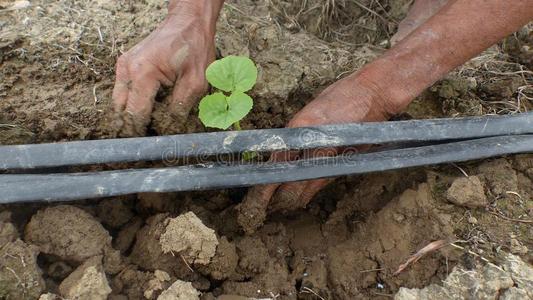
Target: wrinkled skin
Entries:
(426, 48)
(175, 54)
(352, 99)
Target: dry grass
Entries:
(88, 33)
(349, 22)
(497, 67)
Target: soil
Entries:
(57, 71)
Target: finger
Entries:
(120, 90)
(141, 95)
(187, 91)
(312, 188)
(287, 195)
(252, 211)
(294, 195)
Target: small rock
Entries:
(398, 217)
(186, 234)
(20, 276)
(467, 191)
(147, 252)
(132, 283)
(517, 247)
(49, 296)
(514, 293)
(472, 220)
(67, 232)
(88, 281)
(180, 290)
(8, 233)
(486, 283)
(126, 235)
(113, 262)
(156, 284)
(521, 272)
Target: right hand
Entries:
(175, 54)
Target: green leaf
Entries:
(213, 111)
(232, 73)
(219, 111)
(249, 155)
(239, 105)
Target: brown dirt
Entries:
(88, 281)
(56, 80)
(187, 235)
(68, 233)
(20, 276)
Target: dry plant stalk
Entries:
(431, 247)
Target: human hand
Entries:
(175, 54)
(355, 98)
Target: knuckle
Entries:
(137, 67)
(302, 121)
(198, 87)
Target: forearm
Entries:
(458, 32)
(207, 10)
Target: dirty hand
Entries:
(388, 84)
(355, 98)
(175, 54)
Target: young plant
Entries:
(233, 76)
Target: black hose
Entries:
(202, 144)
(61, 187)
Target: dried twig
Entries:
(460, 169)
(372, 270)
(431, 247)
(186, 263)
(492, 212)
(383, 294)
(7, 126)
(310, 291)
(475, 254)
(94, 95)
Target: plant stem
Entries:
(246, 155)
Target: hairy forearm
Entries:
(459, 31)
(206, 10)
(213, 6)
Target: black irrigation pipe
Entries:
(60, 187)
(204, 144)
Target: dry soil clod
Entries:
(67, 232)
(514, 281)
(188, 236)
(467, 191)
(87, 282)
(20, 276)
(180, 290)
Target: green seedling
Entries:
(232, 76)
